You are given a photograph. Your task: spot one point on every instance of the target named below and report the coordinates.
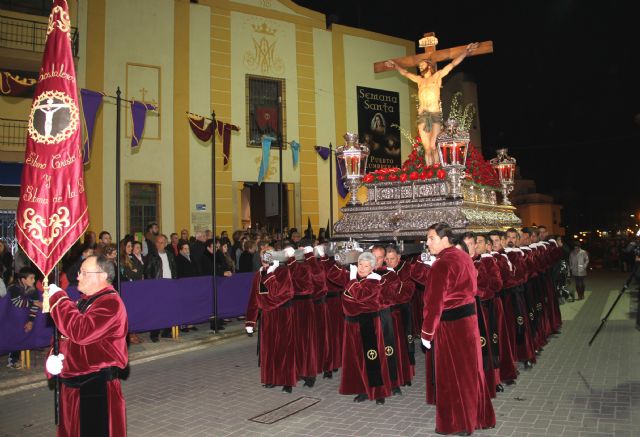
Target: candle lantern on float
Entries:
(453, 145)
(505, 166)
(352, 159)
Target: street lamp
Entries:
(352, 159)
(505, 166)
(453, 144)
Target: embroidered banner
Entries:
(15, 86)
(52, 209)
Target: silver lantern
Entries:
(505, 166)
(453, 144)
(352, 159)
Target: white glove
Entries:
(53, 289)
(273, 266)
(54, 362)
(353, 272)
(308, 249)
(426, 343)
(320, 250)
(374, 276)
(289, 251)
(391, 269)
(249, 329)
(430, 260)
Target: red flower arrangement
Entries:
(414, 168)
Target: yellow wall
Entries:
(150, 43)
(199, 103)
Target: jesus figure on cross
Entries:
(429, 108)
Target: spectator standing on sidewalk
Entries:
(578, 263)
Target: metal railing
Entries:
(16, 33)
(13, 135)
(7, 229)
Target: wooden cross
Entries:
(433, 55)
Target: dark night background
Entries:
(560, 90)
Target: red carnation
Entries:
(393, 177)
(436, 165)
(414, 175)
(423, 175)
(368, 178)
(403, 177)
(441, 174)
(381, 178)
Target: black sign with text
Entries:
(378, 110)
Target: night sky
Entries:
(560, 91)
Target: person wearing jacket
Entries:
(578, 263)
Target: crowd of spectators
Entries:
(150, 256)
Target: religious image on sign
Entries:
(54, 117)
(378, 111)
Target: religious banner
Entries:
(378, 111)
(267, 117)
(91, 102)
(266, 152)
(204, 131)
(138, 117)
(52, 210)
(15, 86)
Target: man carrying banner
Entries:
(93, 351)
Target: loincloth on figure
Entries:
(429, 119)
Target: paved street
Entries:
(213, 389)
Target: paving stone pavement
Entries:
(574, 390)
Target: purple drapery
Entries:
(91, 101)
(324, 154)
(151, 304)
(138, 117)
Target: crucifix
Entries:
(429, 83)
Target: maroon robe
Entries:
(90, 341)
(401, 301)
(522, 341)
(489, 283)
(271, 293)
(361, 298)
(321, 311)
(335, 325)
(508, 371)
(462, 399)
(306, 335)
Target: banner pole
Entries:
(56, 350)
(213, 218)
(280, 211)
(118, 101)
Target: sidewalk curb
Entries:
(37, 380)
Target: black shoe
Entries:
(287, 389)
(155, 339)
(166, 336)
(184, 329)
(408, 384)
(193, 328)
(360, 398)
(538, 353)
(309, 381)
(268, 385)
(528, 365)
(499, 388)
(327, 374)
(510, 382)
(396, 391)
(380, 401)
